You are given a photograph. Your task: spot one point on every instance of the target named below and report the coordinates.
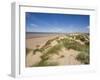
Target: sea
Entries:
(41, 34)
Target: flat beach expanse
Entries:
(31, 43)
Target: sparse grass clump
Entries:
(27, 51)
(48, 42)
(37, 50)
(87, 43)
(45, 57)
(45, 63)
(71, 44)
(81, 38)
(54, 50)
(83, 57)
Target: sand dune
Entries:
(32, 59)
(33, 42)
(65, 57)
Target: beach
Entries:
(54, 39)
(65, 57)
(31, 43)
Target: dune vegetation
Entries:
(78, 42)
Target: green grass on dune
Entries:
(67, 43)
(45, 63)
(54, 50)
(27, 51)
(83, 57)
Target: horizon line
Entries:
(57, 32)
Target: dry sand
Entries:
(65, 57)
(33, 42)
(32, 59)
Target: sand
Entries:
(32, 59)
(33, 42)
(65, 57)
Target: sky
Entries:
(54, 22)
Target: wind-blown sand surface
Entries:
(33, 42)
(32, 59)
(65, 57)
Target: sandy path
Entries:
(65, 57)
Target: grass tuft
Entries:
(83, 57)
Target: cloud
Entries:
(33, 25)
(29, 29)
(56, 28)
